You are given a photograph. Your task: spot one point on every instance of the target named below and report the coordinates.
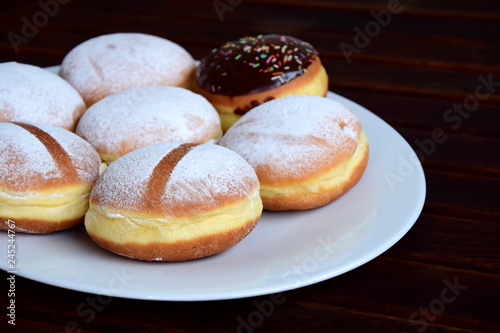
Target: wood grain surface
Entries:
(423, 61)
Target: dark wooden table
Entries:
(425, 67)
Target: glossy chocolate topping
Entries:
(254, 64)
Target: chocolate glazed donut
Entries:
(245, 73)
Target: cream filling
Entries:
(66, 204)
(332, 179)
(228, 119)
(131, 227)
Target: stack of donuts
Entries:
(163, 158)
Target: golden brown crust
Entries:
(24, 181)
(181, 250)
(78, 111)
(59, 155)
(243, 103)
(161, 174)
(38, 226)
(301, 201)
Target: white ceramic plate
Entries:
(287, 250)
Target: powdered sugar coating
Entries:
(202, 180)
(27, 164)
(139, 117)
(107, 64)
(30, 93)
(292, 138)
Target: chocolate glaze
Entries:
(253, 103)
(254, 64)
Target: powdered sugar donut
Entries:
(30, 93)
(139, 117)
(173, 202)
(107, 64)
(306, 150)
(46, 179)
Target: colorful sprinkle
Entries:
(263, 61)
